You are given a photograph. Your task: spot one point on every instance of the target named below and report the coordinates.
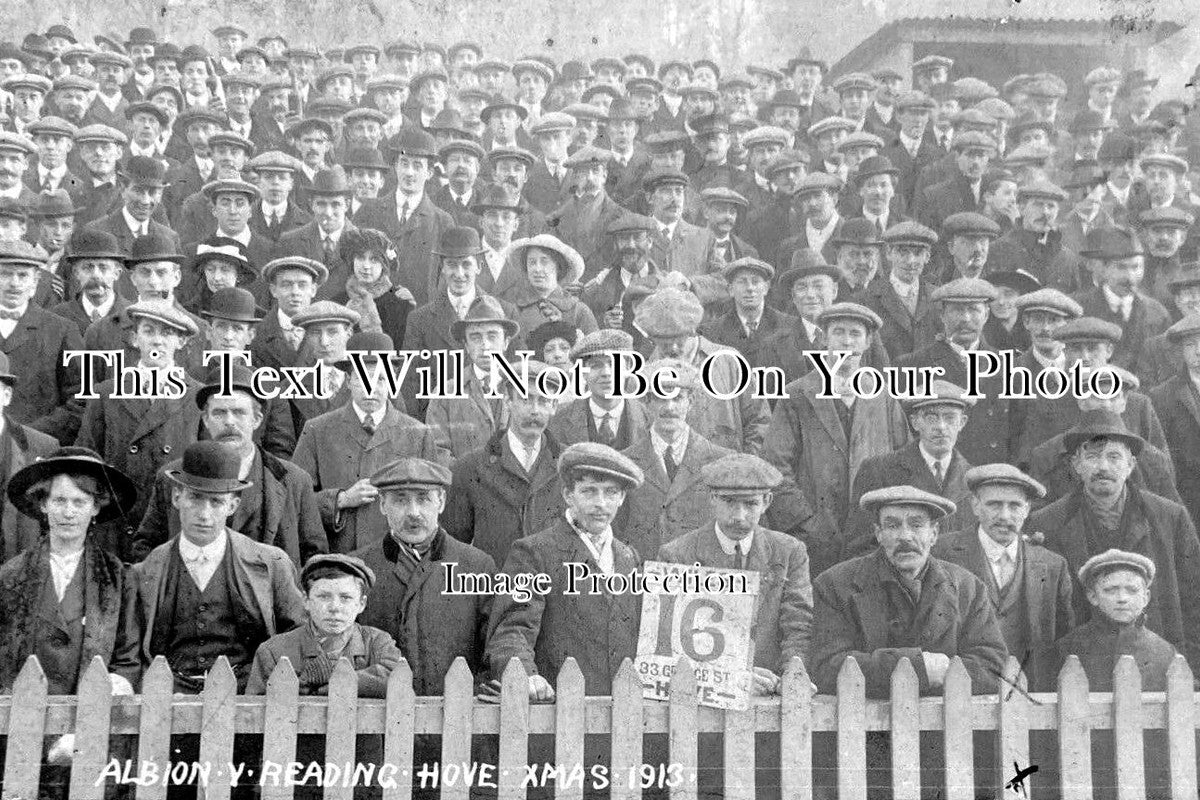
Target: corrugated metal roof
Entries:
(1180, 11)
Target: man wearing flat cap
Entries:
(901, 602)
(1090, 342)
(671, 318)
(276, 211)
(509, 487)
(751, 323)
(54, 139)
(965, 306)
(583, 221)
(1036, 243)
(738, 489)
(195, 219)
(1163, 232)
(1118, 297)
(901, 296)
(1177, 403)
(819, 222)
(597, 629)
(679, 245)
(278, 508)
(819, 443)
(1106, 510)
(600, 417)
(631, 267)
(671, 453)
(914, 146)
(24, 445)
(139, 434)
(963, 191)
(209, 591)
(932, 462)
(1029, 586)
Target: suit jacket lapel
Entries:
(25, 329)
(155, 415)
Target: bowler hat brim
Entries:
(122, 491)
(209, 485)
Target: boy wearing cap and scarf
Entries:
(335, 593)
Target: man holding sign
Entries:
(739, 488)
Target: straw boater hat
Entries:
(570, 263)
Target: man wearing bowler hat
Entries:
(318, 239)
(140, 198)
(209, 591)
(408, 216)
(20, 445)
(91, 263)
(344, 446)
(278, 508)
(138, 435)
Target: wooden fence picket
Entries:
(627, 731)
(906, 732)
(570, 721)
(958, 737)
(1074, 732)
(1013, 740)
(795, 733)
(93, 721)
(1181, 729)
(279, 729)
(739, 754)
(851, 732)
(219, 698)
(341, 727)
(26, 724)
(154, 730)
(684, 736)
(514, 731)
(400, 722)
(458, 700)
(1127, 730)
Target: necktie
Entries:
(95, 315)
(294, 335)
(739, 558)
(937, 472)
(879, 225)
(47, 183)
(669, 462)
(369, 426)
(606, 429)
(497, 407)
(404, 213)
(275, 221)
(751, 329)
(1004, 570)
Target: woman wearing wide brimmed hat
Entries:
(381, 306)
(62, 596)
(548, 265)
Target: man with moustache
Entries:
(510, 168)
(721, 208)
(509, 488)
(461, 159)
(969, 236)
(1118, 297)
(92, 262)
(1036, 244)
(583, 220)
(961, 192)
(875, 197)
(964, 303)
(605, 294)
(278, 509)
(1163, 232)
(1104, 511)
(820, 223)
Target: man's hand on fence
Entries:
(936, 665)
(765, 681)
(540, 690)
(120, 685)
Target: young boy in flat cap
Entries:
(335, 593)
(1117, 586)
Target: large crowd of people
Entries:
(158, 202)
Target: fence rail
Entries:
(282, 714)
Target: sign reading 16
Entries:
(688, 630)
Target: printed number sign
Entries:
(711, 628)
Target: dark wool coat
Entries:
(1158, 529)
(22, 580)
(851, 618)
(410, 602)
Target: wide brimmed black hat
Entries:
(122, 491)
